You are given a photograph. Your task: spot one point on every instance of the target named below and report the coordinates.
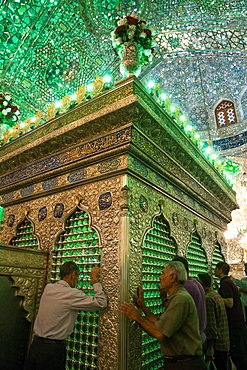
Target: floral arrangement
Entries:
(9, 113)
(131, 28)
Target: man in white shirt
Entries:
(59, 306)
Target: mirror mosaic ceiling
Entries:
(49, 48)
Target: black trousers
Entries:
(238, 347)
(45, 354)
(196, 363)
(221, 360)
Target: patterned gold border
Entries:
(69, 156)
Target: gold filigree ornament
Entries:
(38, 117)
(27, 124)
(78, 199)
(6, 136)
(98, 85)
(80, 94)
(27, 211)
(66, 101)
(161, 204)
(16, 131)
(51, 111)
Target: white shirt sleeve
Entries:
(81, 301)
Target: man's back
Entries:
(59, 307)
(195, 289)
(228, 289)
(217, 323)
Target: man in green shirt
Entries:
(177, 329)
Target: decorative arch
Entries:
(25, 236)
(217, 255)
(80, 242)
(225, 113)
(196, 255)
(216, 258)
(158, 247)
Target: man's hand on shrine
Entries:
(130, 311)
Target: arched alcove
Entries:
(196, 255)
(158, 247)
(216, 258)
(25, 236)
(80, 242)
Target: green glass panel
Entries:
(216, 258)
(79, 242)
(196, 256)
(25, 237)
(1, 214)
(158, 248)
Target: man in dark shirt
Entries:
(237, 330)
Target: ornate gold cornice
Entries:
(126, 114)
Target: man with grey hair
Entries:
(58, 309)
(177, 329)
